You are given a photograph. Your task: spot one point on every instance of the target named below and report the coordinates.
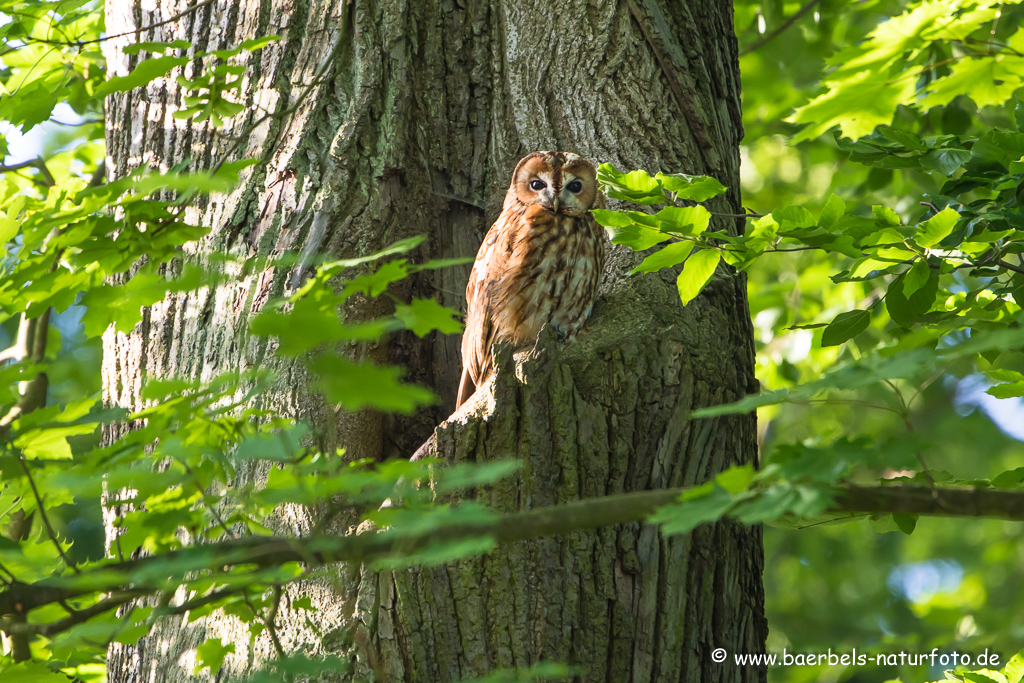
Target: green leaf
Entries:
(635, 186)
(1017, 289)
(422, 316)
(51, 442)
(670, 256)
(623, 230)
(9, 223)
(793, 217)
(136, 48)
(904, 310)
(374, 284)
(886, 216)
(736, 479)
(905, 523)
(304, 603)
(883, 524)
(936, 228)
(945, 161)
(31, 672)
(695, 188)
(775, 501)
(254, 44)
(211, 655)
(359, 385)
(983, 676)
(1011, 479)
(1014, 669)
(744, 405)
(147, 70)
(832, 211)
(845, 326)
(987, 79)
(916, 277)
(1006, 390)
(697, 272)
(689, 220)
(700, 505)
(903, 137)
(856, 104)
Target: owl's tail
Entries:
(466, 388)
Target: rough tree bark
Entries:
(407, 118)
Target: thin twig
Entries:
(271, 617)
(80, 43)
(1009, 266)
(841, 401)
(77, 616)
(737, 215)
(42, 515)
(47, 178)
(202, 492)
(927, 383)
(782, 27)
(831, 520)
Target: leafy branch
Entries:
(134, 578)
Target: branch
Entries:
(113, 602)
(1009, 266)
(923, 500)
(136, 31)
(139, 574)
(45, 179)
(78, 617)
(768, 37)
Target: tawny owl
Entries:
(540, 262)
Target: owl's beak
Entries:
(554, 205)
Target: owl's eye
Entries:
(575, 186)
(537, 185)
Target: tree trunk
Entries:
(408, 119)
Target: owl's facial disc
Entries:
(543, 187)
(560, 182)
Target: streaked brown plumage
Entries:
(540, 262)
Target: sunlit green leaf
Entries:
(697, 272)
(845, 326)
(146, 71)
(669, 256)
(211, 654)
(693, 188)
(936, 228)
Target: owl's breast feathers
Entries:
(534, 268)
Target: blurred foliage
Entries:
(912, 108)
(953, 583)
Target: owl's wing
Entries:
(478, 335)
